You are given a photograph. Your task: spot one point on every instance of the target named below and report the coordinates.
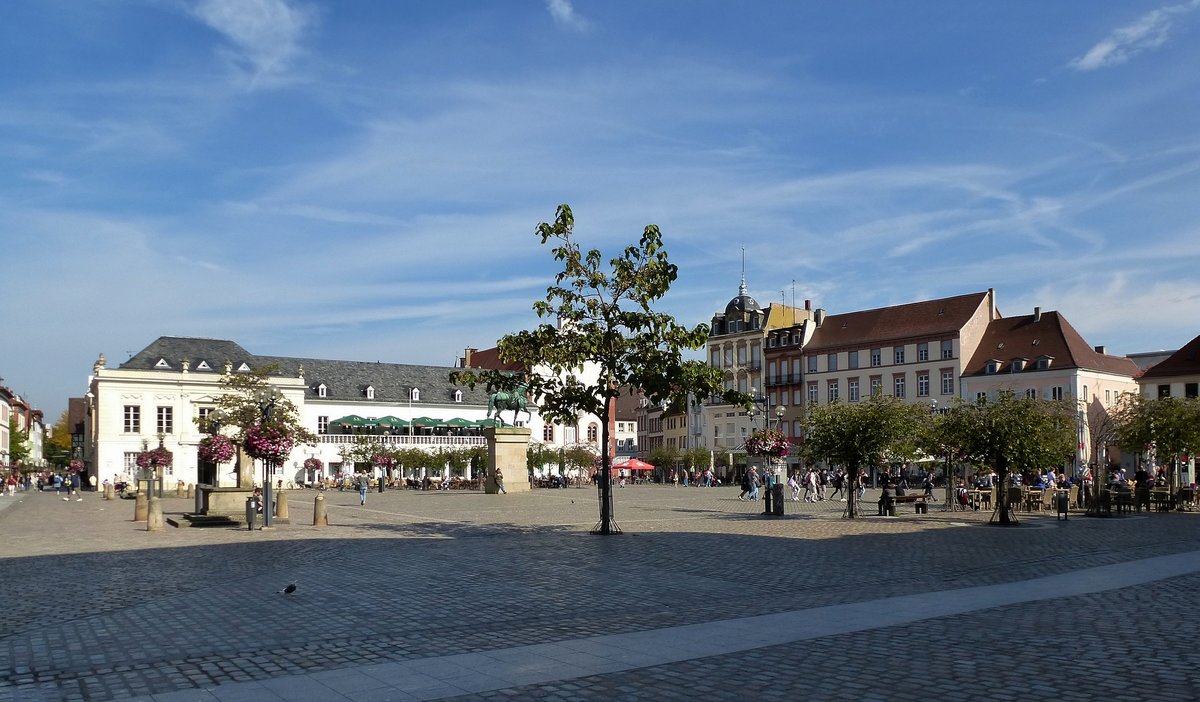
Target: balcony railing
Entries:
(415, 440)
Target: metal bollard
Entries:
(1063, 505)
(777, 491)
(251, 511)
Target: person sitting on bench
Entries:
(887, 501)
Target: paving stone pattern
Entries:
(110, 611)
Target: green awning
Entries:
(428, 422)
(460, 423)
(392, 422)
(351, 420)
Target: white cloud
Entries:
(265, 35)
(564, 14)
(1146, 32)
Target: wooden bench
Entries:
(920, 505)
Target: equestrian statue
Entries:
(514, 400)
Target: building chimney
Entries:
(819, 317)
(1037, 314)
(808, 304)
(1102, 350)
(467, 354)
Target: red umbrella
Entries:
(634, 464)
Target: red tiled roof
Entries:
(1024, 337)
(944, 316)
(1185, 361)
(490, 359)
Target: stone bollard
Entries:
(110, 492)
(281, 507)
(320, 516)
(154, 515)
(140, 507)
(188, 492)
(179, 489)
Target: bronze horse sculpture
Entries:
(505, 400)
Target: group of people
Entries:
(66, 483)
(694, 478)
(815, 484)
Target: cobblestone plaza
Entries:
(468, 596)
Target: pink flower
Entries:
(216, 449)
(268, 443)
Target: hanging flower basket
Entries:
(382, 460)
(268, 443)
(76, 465)
(768, 442)
(216, 449)
(155, 458)
(313, 463)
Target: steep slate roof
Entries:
(344, 380)
(1185, 361)
(942, 317)
(1027, 338)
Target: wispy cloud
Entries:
(1146, 32)
(264, 35)
(564, 14)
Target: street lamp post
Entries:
(266, 405)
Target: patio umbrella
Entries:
(460, 423)
(635, 464)
(350, 420)
(393, 422)
(489, 423)
(428, 422)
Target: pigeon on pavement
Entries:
(289, 589)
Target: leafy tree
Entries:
(1169, 425)
(18, 442)
(1010, 433)
(245, 397)
(539, 455)
(579, 459)
(860, 434)
(605, 317)
(59, 441)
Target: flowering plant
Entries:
(313, 463)
(768, 442)
(76, 465)
(154, 458)
(216, 449)
(268, 443)
(383, 460)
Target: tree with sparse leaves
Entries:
(240, 409)
(871, 432)
(603, 315)
(1010, 433)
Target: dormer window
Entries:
(991, 367)
(1017, 365)
(414, 395)
(162, 363)
(370, 392)
(1043, 362)
(322, 391)
(243, 368)
(458, 395)
(203, 365)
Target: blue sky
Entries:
(362, 180)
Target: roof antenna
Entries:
(742, 287)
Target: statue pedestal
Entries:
(224, 501)
(506, 451)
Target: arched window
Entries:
(322, 391)
(414, 395)
(458, 395)
(548, 433)
(592, 432)
(370, 393)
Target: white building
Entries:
(163, 389)
(1042, 355)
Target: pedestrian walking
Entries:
(363, 484)
(500, 482)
